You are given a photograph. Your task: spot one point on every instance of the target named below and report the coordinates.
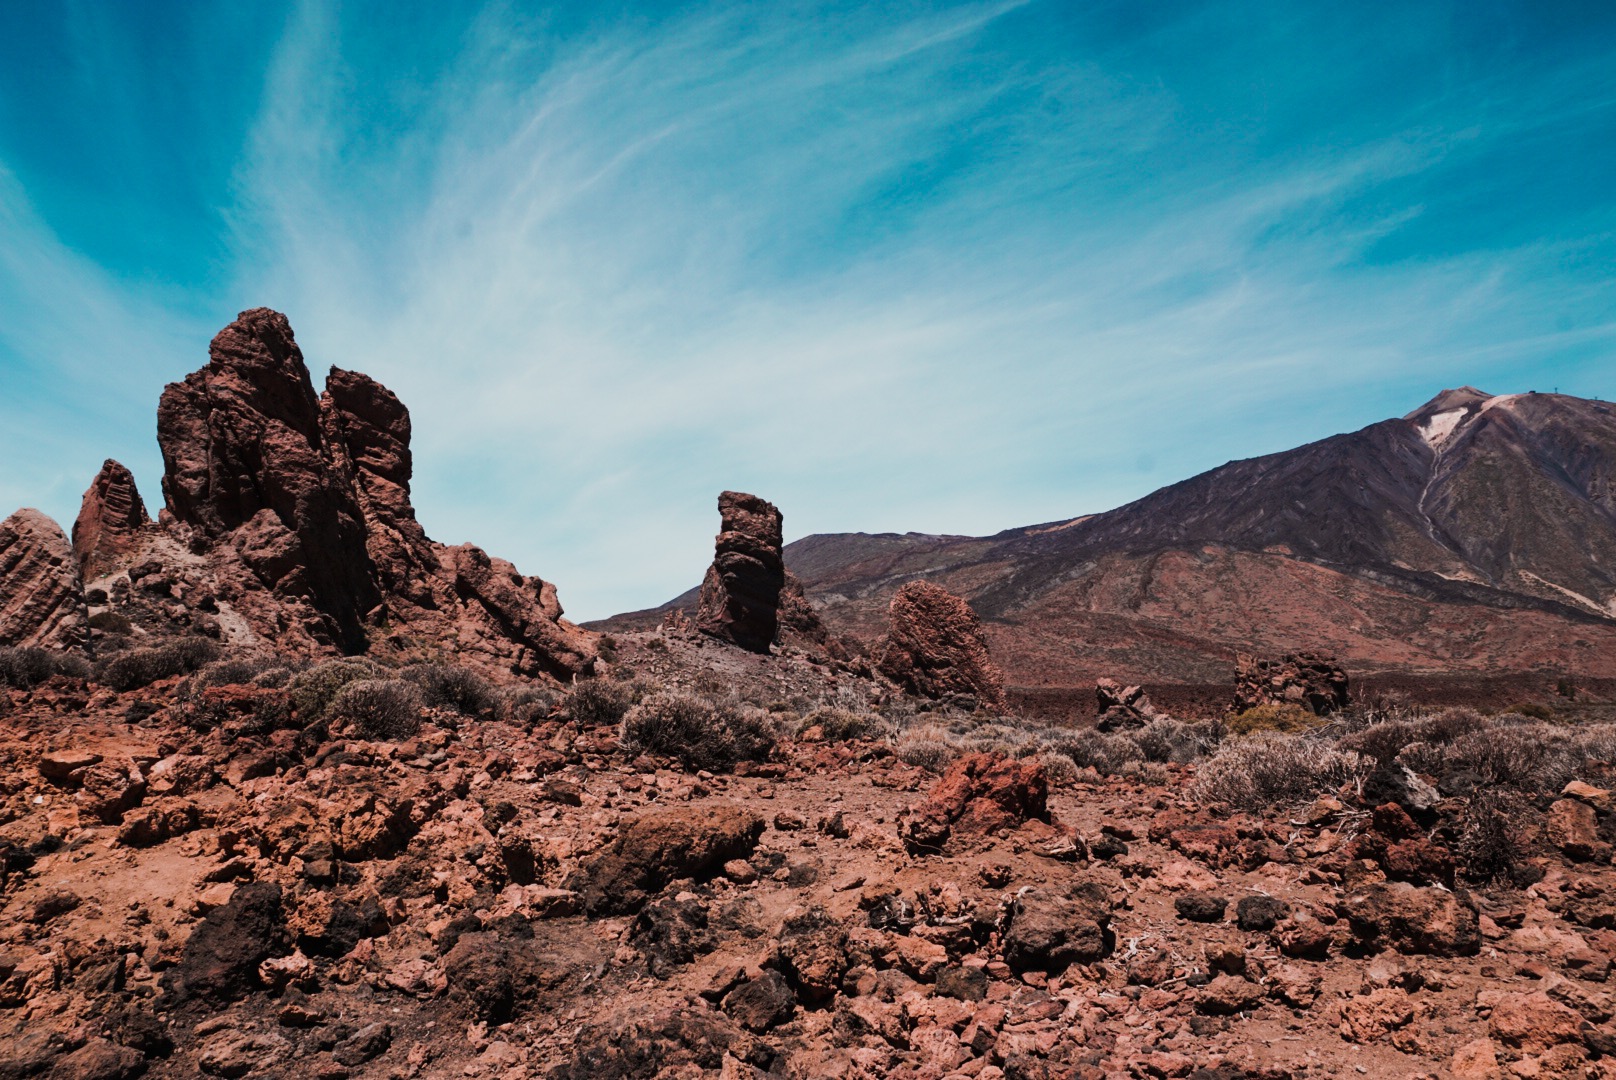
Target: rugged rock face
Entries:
(1123, 706)
(243, 450)
(41, 601)
(740, 597)
(1314, 682)
(935, 647)
(110, 518)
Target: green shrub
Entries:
(25, 668)
(135, 668)
(698, 732)
(376, 709)
(1284, 718)
(313, 690)
(450, 686)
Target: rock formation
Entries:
(740, 597)
(244, 462)
(1314, 682)
(41, 601)
(1123, 707)
(935, 647)
(109, 523)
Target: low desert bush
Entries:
(234, 671)
(840, 725)
(1487, 848)
(376, 709)
(110, 622)
(1269, 769)
(26, 668)
(1284, 718)
(700, 733)
(926, 747)
(525, 706)
(135, 668)
(599, 702)
(1104, 752)
(450, 686)
(1173, 742)
(313, 689)
(1385, 740)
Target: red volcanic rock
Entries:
(41, 600)
(978, 795)
(936, 649)
(109, 523)
(367, 432)
(796, 615)
(1124, 706)
(242, 436)
(740, 597)
(1314, 682)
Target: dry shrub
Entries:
(376, 709)
(599, 702)
(698, 732)
(926, 747)
(25, 668)
(1384, 741)
(234, 671)
(1487, 848)
(1104, 752)
(313, 690)
(1172, 741)
(450, 686)
(1530, 757)
(1285, 718)
(135, 668)
(840, 725)
(525, 706)
(1268, 770)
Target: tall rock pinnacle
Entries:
(109, 522)
(740, 598)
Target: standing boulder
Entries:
(41, 599)
(1316, 683)
(110, 521)
(740, 597)
(935, 648)
(1121, 707)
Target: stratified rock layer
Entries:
(935, 648)
(740, 598)
(110, 519)
(41, 601)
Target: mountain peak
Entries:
(1464, 397)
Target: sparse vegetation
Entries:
(599, 702)
(1269, 769)
(376, 709)
(525, 706)
(26, 668)
(1284, 718)
(313, 690)
(135, 668)
(451, 686)
(840, 725)
(699, 732)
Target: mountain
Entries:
(1476, 534)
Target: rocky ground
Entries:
(189, 891)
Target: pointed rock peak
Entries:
(109, 522)
(740, 598)
(41, 602)
(260, 337)
(1464, 397)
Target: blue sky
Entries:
(901, 266)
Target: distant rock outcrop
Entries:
(109, 523)
(1317, 683)
(41, 600)
(1121, 707)
(935, 647)
(740, 598)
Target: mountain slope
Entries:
(1477, 533)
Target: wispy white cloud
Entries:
(873, 268)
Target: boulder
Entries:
(1121, 707)
(934, 647)
(1428, 921)
(978, 795)
(221, 958)
(740, 597)
(1047, 931)
(111, 517)
(664, 846)
(1315, 682)
(41, 599)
